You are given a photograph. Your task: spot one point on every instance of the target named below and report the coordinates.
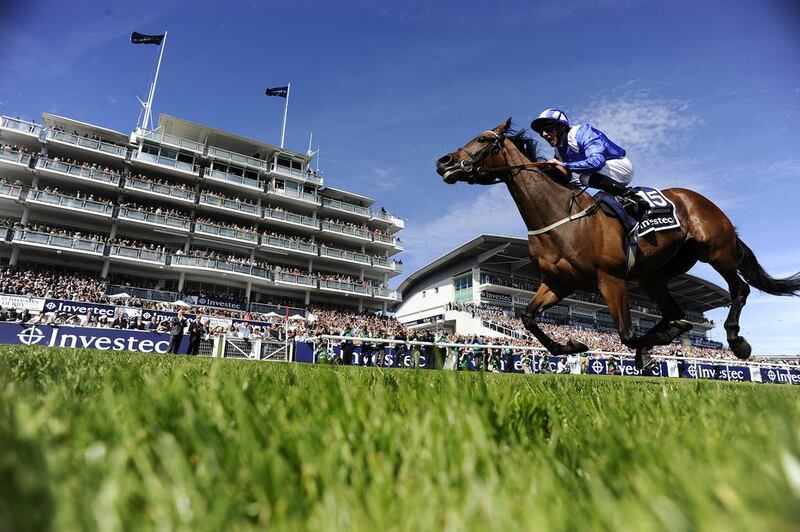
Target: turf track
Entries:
(92, 440)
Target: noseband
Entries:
(474, 159)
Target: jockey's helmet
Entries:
(550, 118)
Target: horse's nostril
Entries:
(444, 161)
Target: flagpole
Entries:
(285, 111)
(149, 106)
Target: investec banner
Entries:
(79, 308)
(87, 337)
(213, 302)
(20, 302)
(495, 298)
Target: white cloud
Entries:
(492, 211)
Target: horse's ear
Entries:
(507, 124)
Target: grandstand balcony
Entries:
(343, 255)
(297, 221)
(229, 205)
(166, 164)
(139, 255)
(345, 233)
(154, 190)
(74, 172)
(233, 181)
(282, 244)
(351, 209)
(173, 141)
(387, 242)
(295, 173)
(161, 221)
(10, 192)
(16, 130)
(14, 163)
(86, 145)
(345, 287)
(384, 293)
(226, 234)
(237, 159)
(293, 196)
(387, 221)
(142, 293)
(385, 263)
(216, 266)
(277, 309)
(70, 244)
(295, 280)
(71, 203)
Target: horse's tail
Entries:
(754, 274)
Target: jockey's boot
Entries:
(634, 205)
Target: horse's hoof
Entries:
(740, 347)
(574, 346)
(643, 360)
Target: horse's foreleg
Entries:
(544, 298)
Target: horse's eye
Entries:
(482, 140)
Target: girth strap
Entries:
(585, 212)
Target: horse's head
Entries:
(474, 162)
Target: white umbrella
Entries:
(272, 315)
(297, 317)
(123, 295)
(180, 303)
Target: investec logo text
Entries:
(37, 336)
(72, 308)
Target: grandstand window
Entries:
(462, 287)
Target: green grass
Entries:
(109, 441)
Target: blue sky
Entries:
(702, 94)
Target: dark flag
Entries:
(140, 38)
(278, 91)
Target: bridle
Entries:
(474, 159)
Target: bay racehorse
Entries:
(576, 247)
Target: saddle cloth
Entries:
(660, 217)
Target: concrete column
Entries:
(106, 265)
(26, 213)
(476, 280)
(113, 233)
(14, 256)
(308, 297)
(247, 292)
(361, 305)
(181, 280)
(35, 181)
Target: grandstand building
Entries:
(492, 275)
(188, 211)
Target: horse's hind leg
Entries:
(724, 261)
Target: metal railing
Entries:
(174, 141)
(285, 243)
(385, 216)
(168, 162)
(155, 188)
(15, 157)
(84, 142)
(142, 293)
(220, 265)
(347, 207)
(57, 241)
(384, 239)
(218, 175)
(349, 230)
(236, 158)
(167, 220)
(343, 254)
(383, 262)
(149, 255)
(291, 217)
(226, 232)
(386, 293)
(295, 278)
(22, 126)
(266, 308)
(214, 201)
(292, 193)
(96, 207)
(303, 175)
(344, 286)
(10, 191)
(81, 172)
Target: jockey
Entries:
(586, 151)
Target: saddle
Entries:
(660, 217)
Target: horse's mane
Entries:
(520, 139)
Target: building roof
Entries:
(51, 120)
(689, 291)
(352, 197)
(186, 129)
